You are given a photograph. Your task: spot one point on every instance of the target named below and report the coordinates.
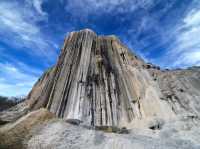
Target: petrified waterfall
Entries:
(98, 81)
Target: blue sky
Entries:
(164, 32)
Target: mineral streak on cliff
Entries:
(99, 82)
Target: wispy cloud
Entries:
(19, 29)
(185, 50)
(14, 81)
(85, 8)
(37, 6)
(172, 42)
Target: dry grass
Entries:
(13, 135)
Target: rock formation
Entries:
(98, 81)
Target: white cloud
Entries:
(14, 81)
(188, 59)
(186, 50)
(182, 40)
(85, 8)
(16, 20)
(20, 27)
(193, 18)
(10, 90)
(37, 5)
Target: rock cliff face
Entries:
(99, 82)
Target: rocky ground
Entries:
(41, 130)
(65, 136)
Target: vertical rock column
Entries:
(99, 82)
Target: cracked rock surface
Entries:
(65, 136)
(98, 83)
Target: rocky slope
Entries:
(97, 82)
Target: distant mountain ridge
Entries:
(8, 102)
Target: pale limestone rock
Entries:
(99, 82)
(60, 135)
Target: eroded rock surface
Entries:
(65, 136)
(98, 83)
